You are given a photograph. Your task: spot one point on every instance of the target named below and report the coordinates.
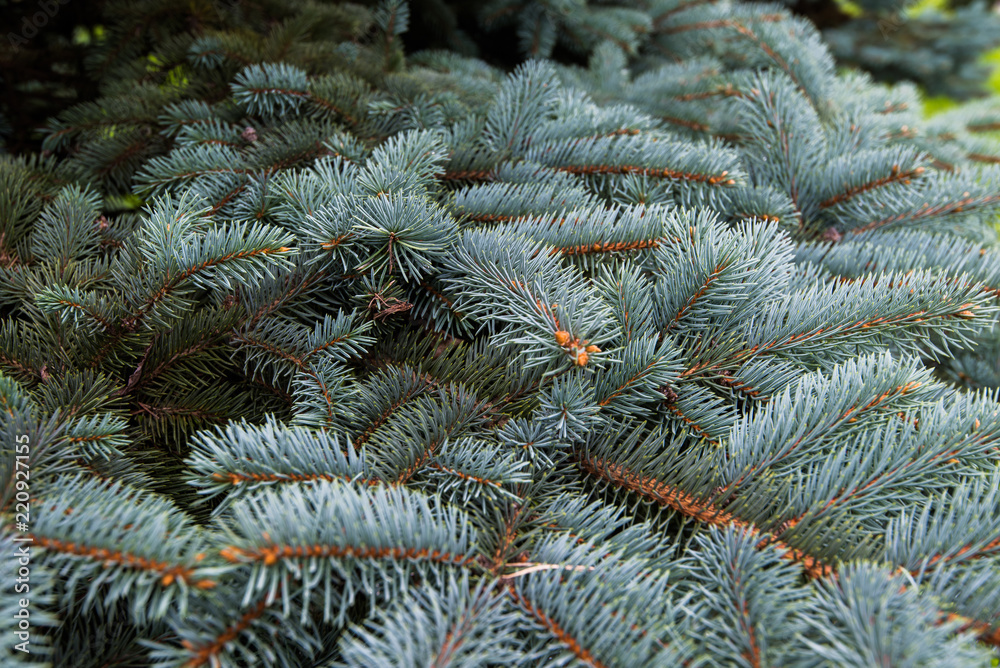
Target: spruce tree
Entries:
(332, 354)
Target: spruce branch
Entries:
(147, 549)
(389, 533)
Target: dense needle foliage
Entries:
(332, 353)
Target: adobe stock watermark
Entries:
(22, 544)
(32, 24)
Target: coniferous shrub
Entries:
(936, 44)
(332, 354)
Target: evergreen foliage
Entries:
(333, 355)
(936, 44)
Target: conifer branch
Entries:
(582, 654)
(168, 573)
(208, 653)
(373, 425)
(690, 506)
(897, 175)
(717, 179)
(271, 554)
(691, 424)
(926, 210)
